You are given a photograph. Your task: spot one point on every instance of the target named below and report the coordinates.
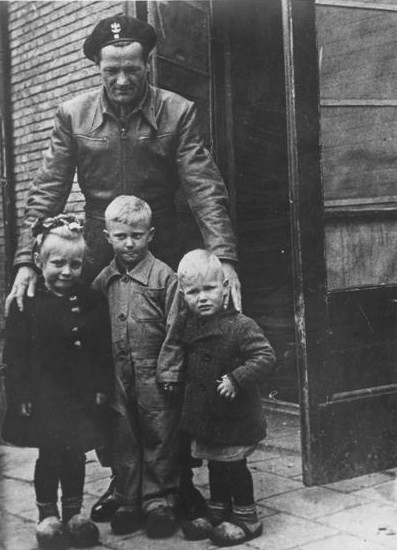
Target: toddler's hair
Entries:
(198, 261)
(128, 209)
(66, 226)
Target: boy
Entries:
(228, 357)
(140, 290)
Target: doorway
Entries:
(251, 105)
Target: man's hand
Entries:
(226, 388)
(234, 285)
(25, 283)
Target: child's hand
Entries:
(26, 409)
(100, 398)
(226, 388)
(171, 387)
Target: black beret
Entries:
(119, 28)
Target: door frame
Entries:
(307, 222)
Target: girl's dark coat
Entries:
(232, 344)
(58, 355)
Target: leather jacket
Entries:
(155, 149)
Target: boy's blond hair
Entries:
(198, 261)
(128, 209)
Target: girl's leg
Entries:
(46, 481)
(72, 474)
(82, 532)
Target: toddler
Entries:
(58, 377)
(228, 358)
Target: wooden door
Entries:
(344, 230)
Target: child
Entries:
(59, 370)
(140, 291)
(228, 357)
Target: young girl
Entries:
(227, 359)
(58, 378)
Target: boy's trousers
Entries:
(145, 442)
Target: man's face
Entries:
(205, 292)
(130, 242)
(123, 72)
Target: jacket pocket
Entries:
(91, 143)
(148, 305)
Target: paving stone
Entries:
(17, 462)
(263, 453)
(288, 466)
(339, 542)
(16, 496)
(141, 542)
(267, 485)
(384, 492)
(16, 533)
(375, 522)
(357, 483)
(284, 532)
(312, 502)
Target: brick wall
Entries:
(48, 67)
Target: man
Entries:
(131, 138)
(127, 138)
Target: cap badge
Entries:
(115, 28)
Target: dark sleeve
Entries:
(17, 352)
(204, 188)
(102, 349)
(256, 355)
(51, 186)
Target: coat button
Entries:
(73, 298)
(122, 316)
(76, 309)
(78, 344)
(75, 329)
(125, 278)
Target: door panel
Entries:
(361, 252)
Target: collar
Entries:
(140, 273)
(146, 105)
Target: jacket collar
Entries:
(140, 273)
(147, 106)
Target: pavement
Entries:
(355, 514)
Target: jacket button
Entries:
(75, 329)
(122, 316)
(78, 344)
(76, 309)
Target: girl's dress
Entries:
(58, 356)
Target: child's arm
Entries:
(171, 360)
(257, 357)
